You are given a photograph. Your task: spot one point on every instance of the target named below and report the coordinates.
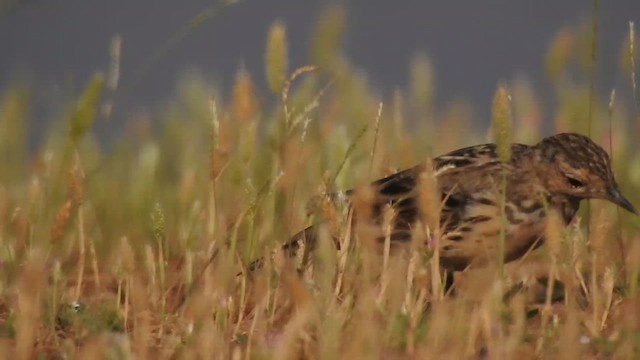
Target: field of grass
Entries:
(134, 252)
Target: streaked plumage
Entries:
(556, 173)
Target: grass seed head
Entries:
(328, 36)
(554, 232)
(559, 54)
(276, 57)
(502, 123)
(76, 183)
(429, 198)
(61, 221)
(244, 104)
(84, 114)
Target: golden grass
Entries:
(135, 252)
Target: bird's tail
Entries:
(297, 250)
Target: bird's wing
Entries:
(459, 174)
(464, 160)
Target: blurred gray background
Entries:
(58, 44)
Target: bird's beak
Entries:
(616, 197)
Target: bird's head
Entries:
(574, 165)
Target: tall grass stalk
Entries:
(502, 136)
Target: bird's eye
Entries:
(575, 183)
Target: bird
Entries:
(555, 174)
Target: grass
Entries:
(135, 252)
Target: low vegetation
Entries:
(135, 251)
